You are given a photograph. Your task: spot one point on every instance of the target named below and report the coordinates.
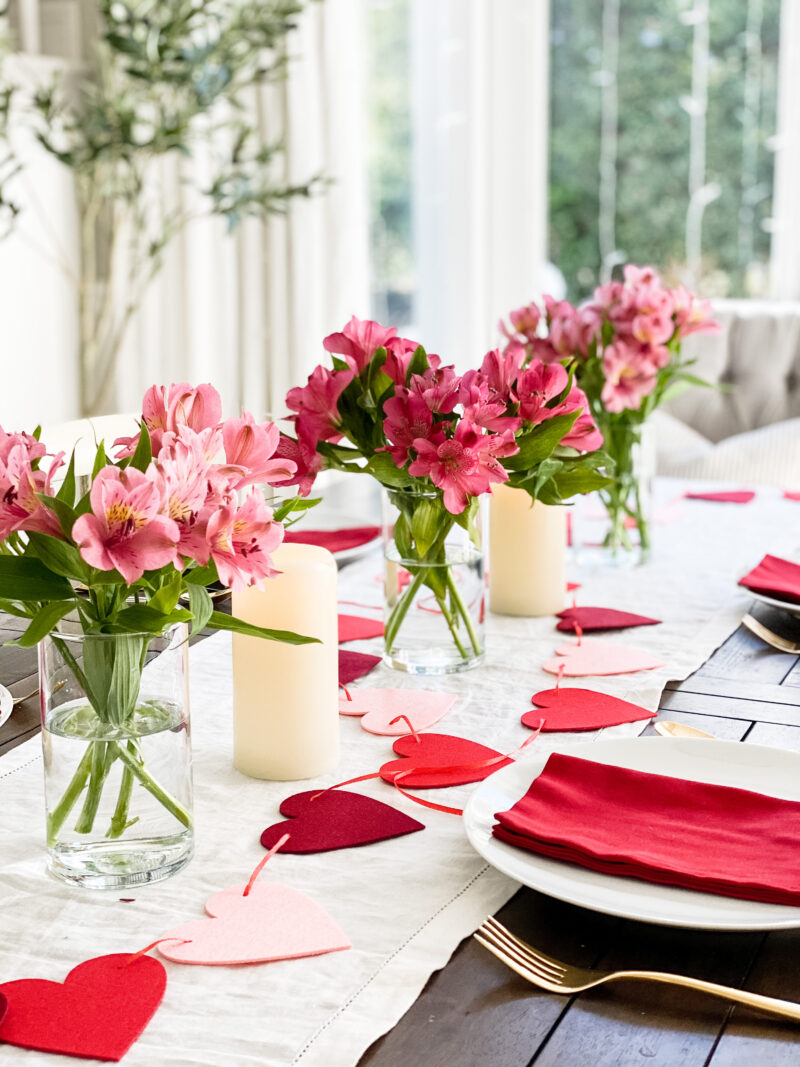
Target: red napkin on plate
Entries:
(714, 838)
(774, 577)
(739, 496)
(333, 540)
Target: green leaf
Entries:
(297, 503)
(538, 443)
(100, 460)
(141, 618)
(419, 363)
(201, 606)
(202, 575)
(58, 556)
(220, 621)
(10, 608)
(576, 482)
(144, 452)
(402, 537)
(167, 596)
(45, 619)
(24, 578)
(67, 491)
(383, 467)
(425, 524)
(64, 513)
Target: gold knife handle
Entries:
(785, 1008)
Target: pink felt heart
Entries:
(356, 628)
(736, 497)
(788, 494)
(437, 760)
(274, 922)
(581, 709)
(322, 822)
(98, 1012)
(600, 657)
(601, 619)
(354, 665)
(380, 706)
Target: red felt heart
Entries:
(437, 760)
(356, 628)
(98, 1012)
(326, 821)
(601, 619)
(3, 1006)
(354, 665)
(739, 496)
(333, 540)
(581, 709)
(789, 495)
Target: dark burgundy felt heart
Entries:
(580, 709)
(438, 760)
(356, 628)
(354, 665)
(336, 819)
(98, 1012)
(601, 619)
(738, 496)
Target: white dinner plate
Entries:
(6, 704)
(756, 767)
(784, 605)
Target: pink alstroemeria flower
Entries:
(358, 341)
(399, 351)
(316, 404)
(164, 411)
(438, 387)
(250, 448)
(186, 481)
(692, 315)
(464, 465)
(407, 418)
(35, 449)
(525, 323)
(483, 408)
(630, 377)
(307, 461)
(537, 386)
(501, 369)
(126, 529)
(584, 435)
(240, 541)
(20, 507)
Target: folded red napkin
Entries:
(775, 577)
(788, 494)
(356, 628)
(739, 496)
(714, 838)
(333, 540)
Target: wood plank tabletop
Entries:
(477, 1013)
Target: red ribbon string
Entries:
(350, 781)
(405, 718)
(261, 864)
(346, 690)
(579, 632)
(143, 951)
(560, 674)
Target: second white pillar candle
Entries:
(527, 554)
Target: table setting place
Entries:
(394, 724)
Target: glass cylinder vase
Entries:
(434, 585)
(117, 756)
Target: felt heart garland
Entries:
(323, 822)
(354, 665)
(433, 761)
(357, 628)
(98, 1012)
(598, 658)
(601, 619)
(420, 708)
(255, 923)
(581, 709)
(739, 496)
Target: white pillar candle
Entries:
(285, 697)
(527, 553)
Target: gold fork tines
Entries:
(783, 644)
(557, 977)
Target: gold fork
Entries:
(783, 644)
(557, 977)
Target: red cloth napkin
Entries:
(714, 838)
(774, 577)
(739, 496)
(356, 628)
(333, 540)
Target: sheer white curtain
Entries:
(249, 311)
(480, 174)
(785, 259)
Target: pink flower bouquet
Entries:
(130, 558)
(437, 441)
(626, 344)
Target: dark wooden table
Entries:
(477, 1013)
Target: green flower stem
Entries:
(102, 759)
(452, 623)
(151, 785)
(464, 612)
(119, 820)
(400, 610)
(76, 786)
